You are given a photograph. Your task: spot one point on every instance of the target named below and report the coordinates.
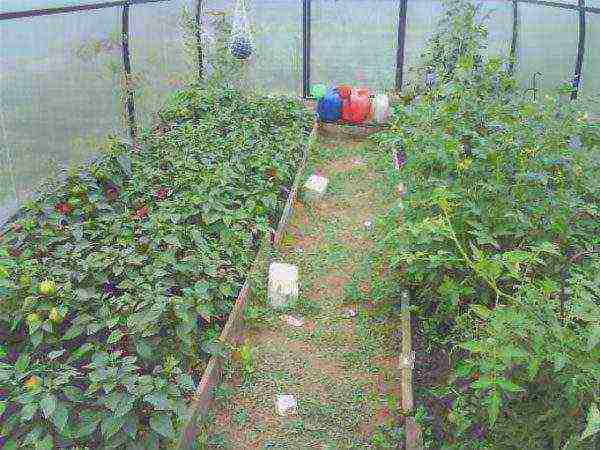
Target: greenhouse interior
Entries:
(308, 224)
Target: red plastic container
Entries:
(360, 106)
(345, 93)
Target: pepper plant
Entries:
(114, 284)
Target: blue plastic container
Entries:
(329, 108)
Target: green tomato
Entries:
(29, 302)
(33, 318)
(54, 315)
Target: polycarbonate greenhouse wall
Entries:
(61, 71)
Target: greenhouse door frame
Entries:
(306, 45)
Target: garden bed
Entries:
(233, 330)
(474, 385)
(491, 248)
(499, 248)
(111, 350)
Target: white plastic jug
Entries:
(381, 108)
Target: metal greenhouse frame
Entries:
(581, 7)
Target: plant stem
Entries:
(492, 284)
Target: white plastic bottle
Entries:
(381, 108)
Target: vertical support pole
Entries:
(306, 42)
(199, 4)
(129, 100)
(535, 85)
(515, 37)
(580, 51)
(402, 10)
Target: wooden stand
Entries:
(342, 130)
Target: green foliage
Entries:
(499, 246)
(458, 41)
(114, 284)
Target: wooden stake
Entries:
(414, 440)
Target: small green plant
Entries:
(241, 417)
(247, 360)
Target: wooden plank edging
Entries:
(234, 327)
(355, 131)
(406, 362)
(414, 440)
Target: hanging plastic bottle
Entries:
(381, 108)
(329, 107)
(360, 105)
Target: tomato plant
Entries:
(499, 245)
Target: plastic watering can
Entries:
(318, 91)
(360, 106)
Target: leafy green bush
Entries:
(499, 246)
(113, 286)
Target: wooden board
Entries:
(406, 362)
(414, 440)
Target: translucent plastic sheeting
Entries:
(423, 15)
(213, 11)
(278, 37)
(276, 26)
(591, 64)
(26, 5)
(548, 40)
(160, 62)
(354, 42)
(500, 25)
(54, 102)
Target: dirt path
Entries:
(340, 364)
